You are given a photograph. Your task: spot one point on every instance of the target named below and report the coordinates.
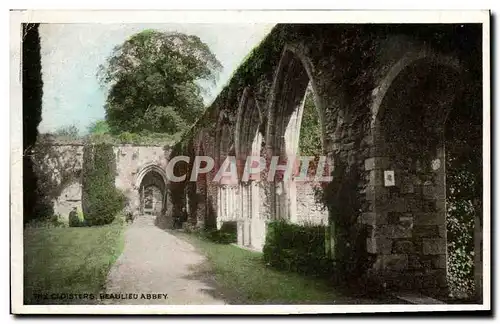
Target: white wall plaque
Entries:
(389, 178)
(436, 164)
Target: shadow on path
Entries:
(156, 262)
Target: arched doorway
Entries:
(151, 185)
(410, 236)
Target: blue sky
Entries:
(72, 53)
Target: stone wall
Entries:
(309, 210)
(58, 169)
(350, 69)
(59, 165)
(130, 161)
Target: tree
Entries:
(154, 82)
(32, 113)
(310, 129)
(99, 127)
(70, 132)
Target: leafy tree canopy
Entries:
(154, 82)
(98, 127)
(310, 129)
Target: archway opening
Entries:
(228, 194)
(248, 144)
(152, 191)
(410, 190)
(296, 129)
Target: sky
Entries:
(72, 53)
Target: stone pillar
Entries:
(240, 233)
(247, 232)
(408, 233)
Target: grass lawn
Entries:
(244, 273)
(72, 260)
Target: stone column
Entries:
(408, 233)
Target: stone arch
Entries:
(247, 124)
(223, 139)
(409, 111)
(69, 196)
(407, 60)
(248, 142)
(157, 183)
(292, 78)
(149, 167)
(293, 75)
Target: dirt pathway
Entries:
(158, 268)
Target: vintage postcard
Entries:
(249, 162)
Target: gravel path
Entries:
(157, 263)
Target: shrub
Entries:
(105, 202)
(101, 200)
(81, 217)
(297, 248)
(46, 222)
(74, 220)
(226, 235)
(120, 219)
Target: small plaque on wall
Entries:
(389, 180)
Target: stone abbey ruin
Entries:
(383, 95)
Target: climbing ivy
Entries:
(353, 72)
(310, 129)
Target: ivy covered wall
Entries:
(348, 69)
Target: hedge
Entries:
(101, 200)
(226, 235)
(297, 248)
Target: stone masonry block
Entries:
(396, 262)
(416, 262)
(393, 217)
(395, 204)
(428, 219)
(442, 231)
(378, 245)
(376, 193)
(405, 247)
(439, 261)
(429, 192)
(393, 231)
(434, 246)
(368, 218)
(376, 163)
(418, 205)
(406, 220)
(376, 178)
(430, 231)
(435, 278)
(372, 218)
